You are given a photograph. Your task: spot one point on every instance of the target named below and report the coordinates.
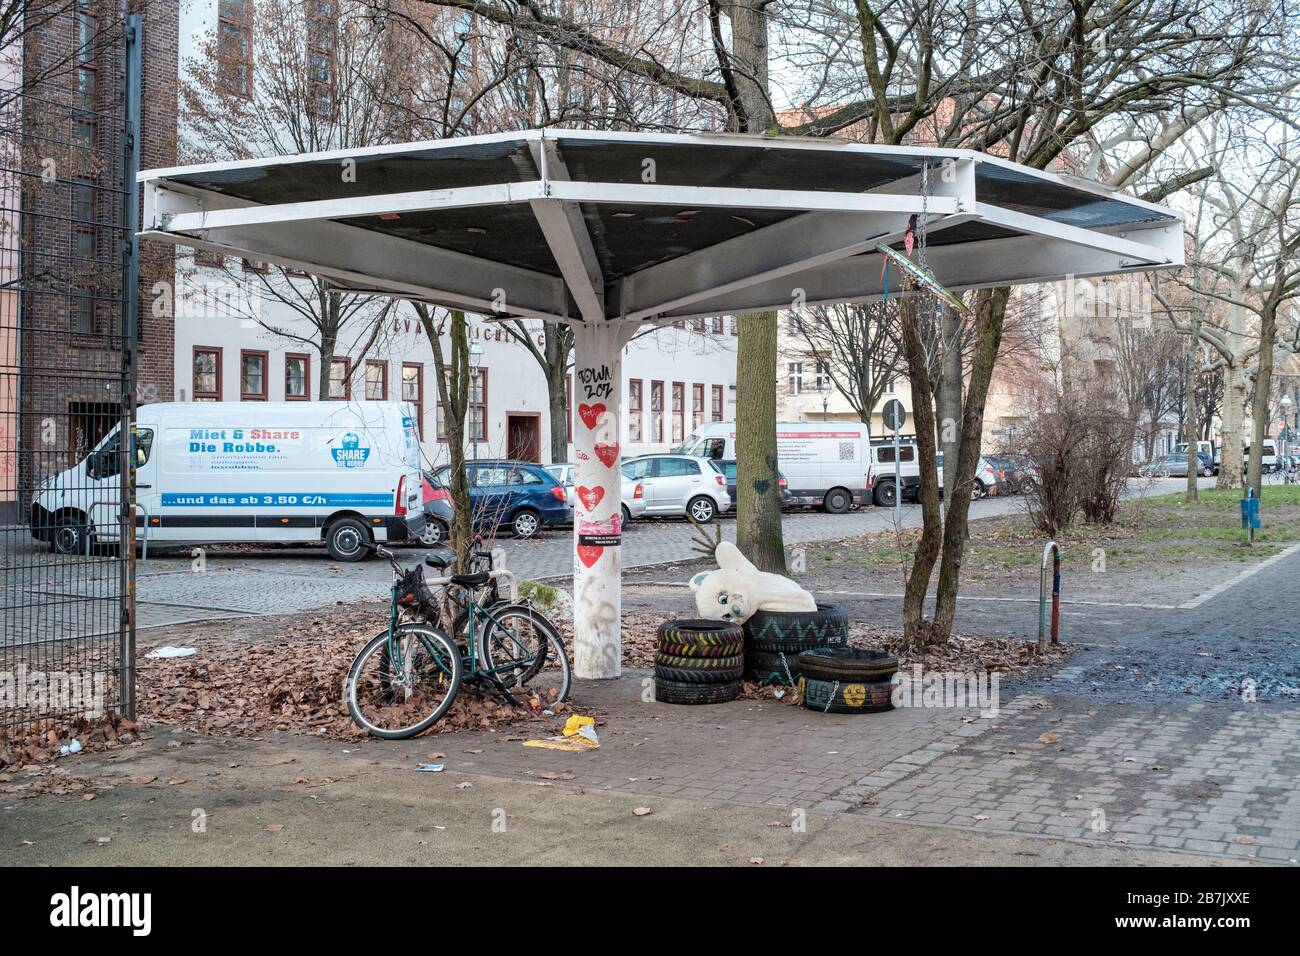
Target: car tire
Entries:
(347, 539)
(434, 533)
(702, 508)
(884, 494)
(846, 697)
(704, 663)
(698, 675)
(672, 692)
(526, 523)
(978, 490)
(837, 501)
(848, 664)
(69, 534)
(627, 515)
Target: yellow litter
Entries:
(579, 734)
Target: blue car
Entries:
(520, 495)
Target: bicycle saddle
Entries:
(437, 562)
(475, 580)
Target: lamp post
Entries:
(1286, 426)
(475, 360)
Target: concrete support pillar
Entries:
(597, 508)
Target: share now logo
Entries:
(76, 909)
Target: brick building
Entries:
(61, 247)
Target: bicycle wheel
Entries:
(399, 702)
(524, 650)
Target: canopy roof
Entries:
(589, 226)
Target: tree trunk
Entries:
(1230, 434)
(1190, 415)
(452, 382)
(990, 312)
(949, 399)
(1259, 411)
(916, 629)
(758, 494)
(558, 402)
(327, 344)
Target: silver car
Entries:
(678, 484)
(633, 493)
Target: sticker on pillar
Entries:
(590, 497)
(590, 414)
(606, 453)
(595, 536)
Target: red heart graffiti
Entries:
(590, 414)
(590, 497)
(607, 454)
(589, 554)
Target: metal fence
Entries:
(67, 368)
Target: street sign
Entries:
(894, 415)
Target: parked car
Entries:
(984, 484)
(676, 484)
(519, 495)
(1166, 466)
(633, 493)
(438, 511)
(1012, 475)
(729, 472)
(1206, 464)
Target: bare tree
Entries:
(858, 348)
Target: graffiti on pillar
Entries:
(591, 414)
(596, 383)
(606, 452)
(590, 497)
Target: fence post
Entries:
(1053, 549)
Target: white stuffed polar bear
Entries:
(737, 589)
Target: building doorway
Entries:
(524, 436)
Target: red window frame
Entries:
(469, 411)
(306, 377)
(266, 368)
(717, 403)
(719, 325)
(657, 417)
(347, 378)
(418, 401)
(195, 394)
(697, 405)
(383, 380)
(635, 401)
(679, 412)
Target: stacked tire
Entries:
(847, 680)
(775, 639)
(698, 662)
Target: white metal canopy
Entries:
(609, 231)
(585, 225)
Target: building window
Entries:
(476, 418)
(376, 381)
(209, 259)
(252, 376)
(679, 412)
(634, 409)
(413, 391)
(207, 374)
(718, 323)
(235, 45)
(889, 386)
(697, 406)
(322, 16)
(261, 268)
(83, 294)
(340, 389)
(794, 377)
(717, 403)
(735, 326)
(823, 378)
(657, 412)
(297, 377)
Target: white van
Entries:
(825, 463)
(347, 474)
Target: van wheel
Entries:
(526, 523)
(837, 501)
(347, 540)
(69, 535)
(434, 533)
(702, 509)
(884, 495)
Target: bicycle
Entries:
(405, 679)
